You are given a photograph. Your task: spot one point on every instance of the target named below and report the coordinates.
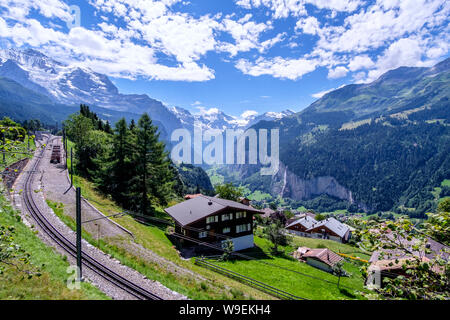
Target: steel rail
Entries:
(70, 248)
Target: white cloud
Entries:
(385, 21)
(309, 25)
(19, 9)
(185, 38)
(205, 112)
(246, 35)
(271, 42)
(337, 5)
(437, 49)
(337, 72)
(111, 50)
(404, 52)
(296, 8)
(278, 67)
(136, 38)
(91, 49)
(360, 62)
(280, 8)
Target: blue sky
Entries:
(235, 55)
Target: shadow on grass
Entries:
(347, 293)
(255, 253)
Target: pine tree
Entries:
(151, 181)
(100, 125)
(107, 128)
(121, 167)
(132, 125)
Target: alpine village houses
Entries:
(330, 228)
(214, 220)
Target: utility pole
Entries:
(65, 148)
(78, 220)
(71, 167)
(98, 234)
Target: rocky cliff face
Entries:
(287, 184)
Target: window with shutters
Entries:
(212, 219)
(243, 228)
(240, 215)
(227, 216)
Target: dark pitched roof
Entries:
(306, 222)
(203, 206)
(334, 225)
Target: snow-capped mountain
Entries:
(209, 119)
(215, 119)
(269, 116)
(72, 85)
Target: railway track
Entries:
(89, 262)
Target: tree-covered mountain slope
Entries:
(379, 146)
(402, 88)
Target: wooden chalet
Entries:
(300, 226)
(213, 220)
(329, 228)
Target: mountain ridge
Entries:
(371, 140)
(73, 85)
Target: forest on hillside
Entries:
(391, 165)
(130, 162)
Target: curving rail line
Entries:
(68, 246)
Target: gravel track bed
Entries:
(46, 175)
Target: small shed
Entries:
(323, 259)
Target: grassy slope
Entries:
(293, 282)
(154, 238)
(52, 283)
(19, 147)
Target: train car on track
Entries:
(56, 155)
